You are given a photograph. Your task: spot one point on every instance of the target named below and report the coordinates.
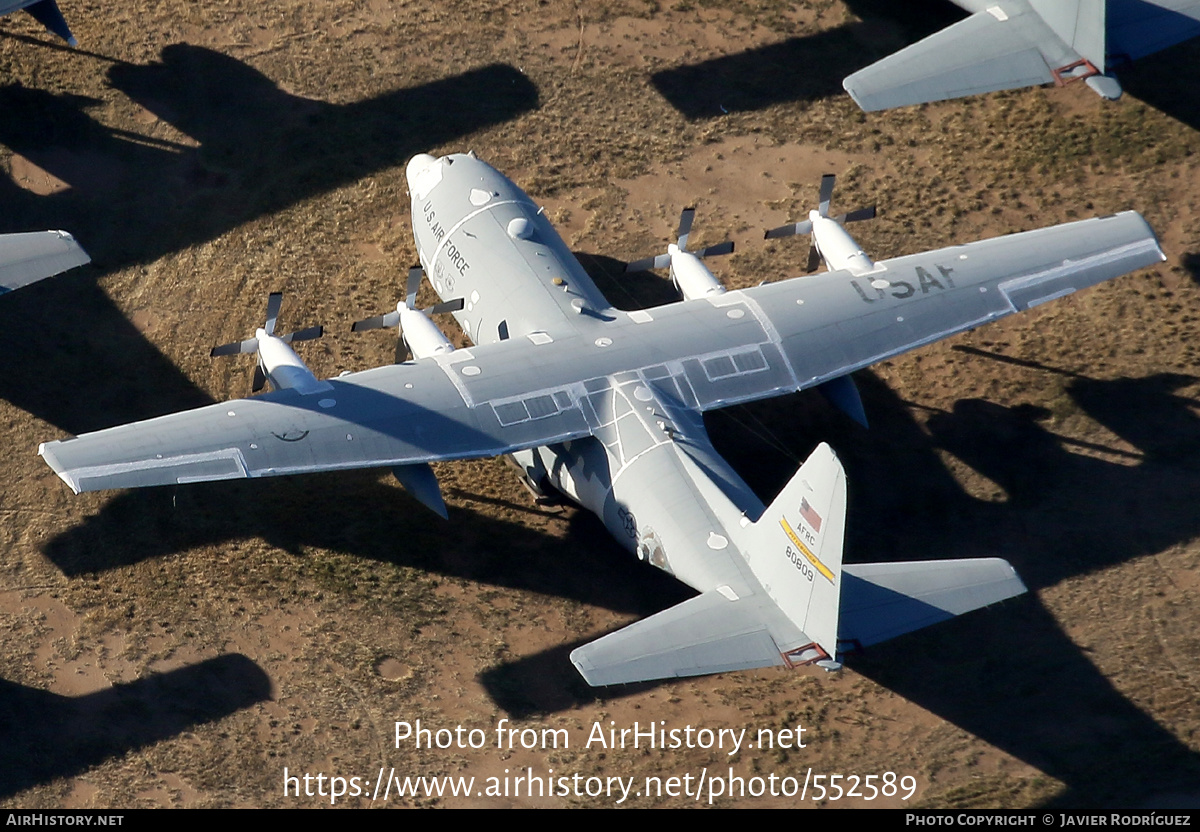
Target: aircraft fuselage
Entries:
(481, 238)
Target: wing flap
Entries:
(28, 258)
(1002, 48)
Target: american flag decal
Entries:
(810, 515)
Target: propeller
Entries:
(253, 345)
(685, 229)
(393, 319)
(807, 226)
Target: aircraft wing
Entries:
(28, 258)
(1005, 47)
(538, 390)
(832, 324)
(396, 415)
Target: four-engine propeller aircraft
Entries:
(45, 12)
(606, 407)
(1006, 44)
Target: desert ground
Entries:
(183, 647)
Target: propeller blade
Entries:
(304, 334)
(860, 214)
(827, 182)
(250, 345)
(446, 306)
(402, 351)
(412, 286)
(647, 263)
(260, 379)
(717, 250)
(686, 217)
(387, 321)
(789, 230)
(814, 259)
(274, 301)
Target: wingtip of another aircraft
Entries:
(46, 452)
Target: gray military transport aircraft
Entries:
(45, 12)
(1006, 44)
(606, 407)
(30, 257)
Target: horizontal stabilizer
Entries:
(1135, 30)
(988, 51)
(705, 634)
(46, 13)
(27, 258)
(884, 600)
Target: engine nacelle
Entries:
(837, 246)
(284, 368)
(691, 276)
(422, 334)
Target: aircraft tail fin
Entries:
(795, 548)
(795, 552)
(807, 605)
(1080, 23)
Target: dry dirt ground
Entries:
(182, 647)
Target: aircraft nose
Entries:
(417, 164)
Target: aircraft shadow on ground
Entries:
(133, 199)
(797, 69)
(47, 736)
(1009, 675)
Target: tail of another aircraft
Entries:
(46, 13)
(802, 604)
(1006, 46)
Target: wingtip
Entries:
(578, 658)
(47, 453)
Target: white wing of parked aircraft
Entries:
(605, 407)
(30, 257)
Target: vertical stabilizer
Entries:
(795, 548)
(1080, 23)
